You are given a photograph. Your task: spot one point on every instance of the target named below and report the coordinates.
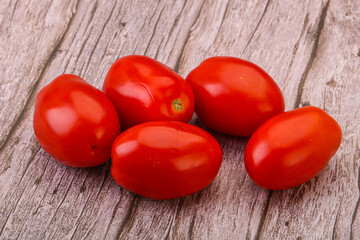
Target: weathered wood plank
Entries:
(308, 47)
(286, 41)
(45, 193)
(331, 82)
(29, 33)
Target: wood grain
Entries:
(310, 48)
(29, 33)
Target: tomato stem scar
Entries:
(177, 104)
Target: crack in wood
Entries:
(191, 227)
(83, 188)
(57, 186)
(90, 229)
(73, 233)
(63, 199)
(178, 209)
(42, 198)
(142, 26)
(296, 46)
(13, 210)
(112, 218)
(158, 48)
(86, 235)
(178, 61)
(173, 219)
(13, 12)
(247, 236)
(21, 229)
(154, 30)
(50, 3)
(92, 14)
(221, 24)
(336, 222)
(78, 219)
(28, 164)
(176, 21)
(263, 216)
(42, 174)
(127, 221)
(353, 219)
(312, 55)
(100, 35)
(107, 173)
(257, 26)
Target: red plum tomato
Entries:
(234, 96)
(165, 159)
(74, 122)
(291, 148)
(143, 90)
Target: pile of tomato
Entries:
(157, 154)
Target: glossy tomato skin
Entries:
(143, 89)
(165, 160)
(291, 148)
(234, 96)
(74, 122)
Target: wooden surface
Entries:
(310, 48)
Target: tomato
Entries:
(291, 148)
(74, 122)
(165, 160)
(234, 96)
(143, 89)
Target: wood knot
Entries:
(82, 189)
(331, 83)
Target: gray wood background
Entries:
(310, 48)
